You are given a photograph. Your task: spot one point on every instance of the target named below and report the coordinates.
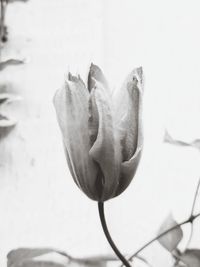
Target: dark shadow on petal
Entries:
(93, 121)
(99, 183)
(128, 171)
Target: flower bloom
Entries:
(102, 134)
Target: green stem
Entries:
(107, 234)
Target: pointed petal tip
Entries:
(69, 76)
(92, 65)
(96, 73)
(138, 71)
(72, 78)
(94, 68)
(138, 76)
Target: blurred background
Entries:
(40, 206)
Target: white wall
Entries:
(39, 203)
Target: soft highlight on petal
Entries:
(128, 170)
(131, 129)
(93, 123)
(105, 150)
(129, 125)
(71, 103)
(96, 74)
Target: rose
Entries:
(102, 135)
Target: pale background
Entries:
(39, 203)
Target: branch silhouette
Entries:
(190, 220)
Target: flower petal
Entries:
(131, 129)
(105, 150)
(128, 170)
(71, 168)
(93, 123)
(71, 103)
(96, 74)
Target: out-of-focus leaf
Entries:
(191, 257)
(169, 139)
(24, 257)
(10, 62)
(13, 1)
(196, 143)
(5, 119)
(88, 263)
(170, 240)
(17, 256)
(6, 122)
(6, 98)
(31, 263)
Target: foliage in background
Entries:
(169, 235)
(6, 98)
(3, 27)
(46, 257)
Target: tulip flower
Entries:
(102, 134)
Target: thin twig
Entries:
(144, 260)
(189, 220)
(192, 212)
(195, 198)
(105, 258)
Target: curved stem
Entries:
(107, 234)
